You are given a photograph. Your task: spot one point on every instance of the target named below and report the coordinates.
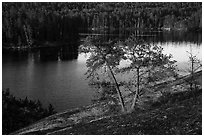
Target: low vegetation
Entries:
(18, 113)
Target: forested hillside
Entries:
(31, 23)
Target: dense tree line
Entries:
(28, 23)
(31, 23)
(18, 113)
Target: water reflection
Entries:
(63, 53)
(61, 83)
(179, 36)
(14, 56)
(153, 36)
(69, 53)
(47, 54)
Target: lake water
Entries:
(61, 81)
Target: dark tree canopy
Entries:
(28, 23)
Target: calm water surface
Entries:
(63, 83)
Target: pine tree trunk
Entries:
(116, 83)
(138, 89)
(192, 75)
(118, 90)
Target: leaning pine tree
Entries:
(147, 63)
(104, 55)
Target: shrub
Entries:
(18, 113)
